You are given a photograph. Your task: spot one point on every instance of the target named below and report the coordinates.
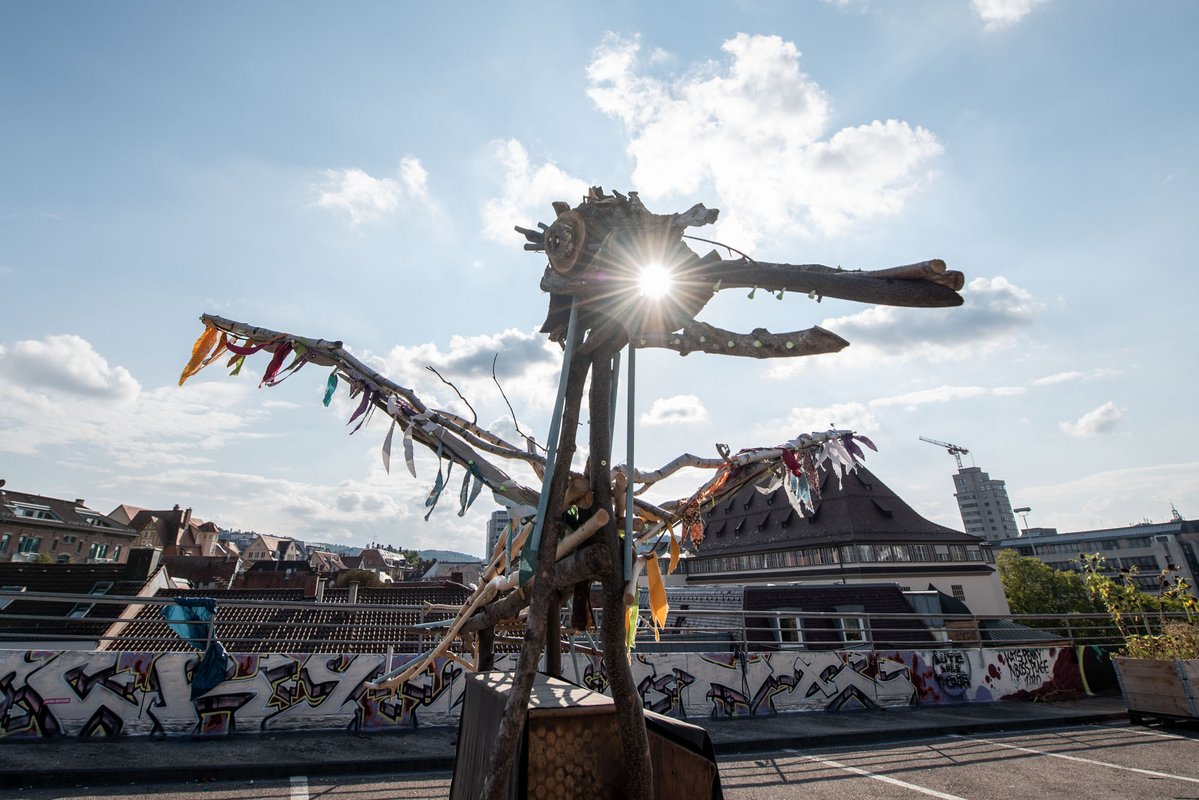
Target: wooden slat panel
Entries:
(679, 774)
(1154, 686)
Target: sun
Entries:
(655, 281)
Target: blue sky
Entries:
(353, 171)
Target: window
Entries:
(97, 551)
(4, 601)
(116, 553)
(5, 538)
(853, 629)
(29, 544)
(33, 511)
(81, 609)
(958, 592)
(790, 631)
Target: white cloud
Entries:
(941, 394)
(994, 314)
(66, 364)
(1057, 377)
(1102, 499)
(366, 198)
(999, 14)
(528, 367)
(1073, 375)
(1008, 391)
(1103, 419)
(681, 408)
(854, 416)
(59, 392)
(756, 131)
(528, 192)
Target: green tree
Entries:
(1034, 587)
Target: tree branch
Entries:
(759, 343)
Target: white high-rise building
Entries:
(984, 505)
(495, 528)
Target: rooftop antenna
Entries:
(1174, 515)
(957, 451)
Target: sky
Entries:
(353, 171)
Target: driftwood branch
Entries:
(433, 428)
(589, 563)
(917, 285)
(758, 343)
(926, 284)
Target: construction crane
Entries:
(957, 451)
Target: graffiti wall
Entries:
(72, 693)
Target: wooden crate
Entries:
(571, 747)
(1157, 687)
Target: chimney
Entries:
(79, 502)
(353, 587)
(142, 563)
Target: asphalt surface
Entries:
(72, 761)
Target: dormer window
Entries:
(4, 601)
(32, 511)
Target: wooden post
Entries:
(486, 649)
(517, 710)
(630, 720)
(553, 636)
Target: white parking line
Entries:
(877, 777)
(1150, 772)
(299, 787)
(1156, 734)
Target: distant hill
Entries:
(446, 555)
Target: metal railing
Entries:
(128, 623)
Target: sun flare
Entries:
(655, 281)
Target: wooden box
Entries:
(1157, 687)
(570, 748)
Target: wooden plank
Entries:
(679, 774)
(1175, 705)
(1154, 686)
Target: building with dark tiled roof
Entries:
(860, 532)
(792, 616)
(35, 527)
(177, 532)
(203, 572)
(382, 561)
(466, 572)
(73, 624)
(326, 562)
(296, 621)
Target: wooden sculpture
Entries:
(567, 533)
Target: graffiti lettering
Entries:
(1027, 666)
(84, 694)
(951, 670)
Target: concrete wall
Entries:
(71, 693)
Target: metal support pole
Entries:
(630, 424)
(612, 404)
(528, 557)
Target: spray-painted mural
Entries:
(73, 693)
